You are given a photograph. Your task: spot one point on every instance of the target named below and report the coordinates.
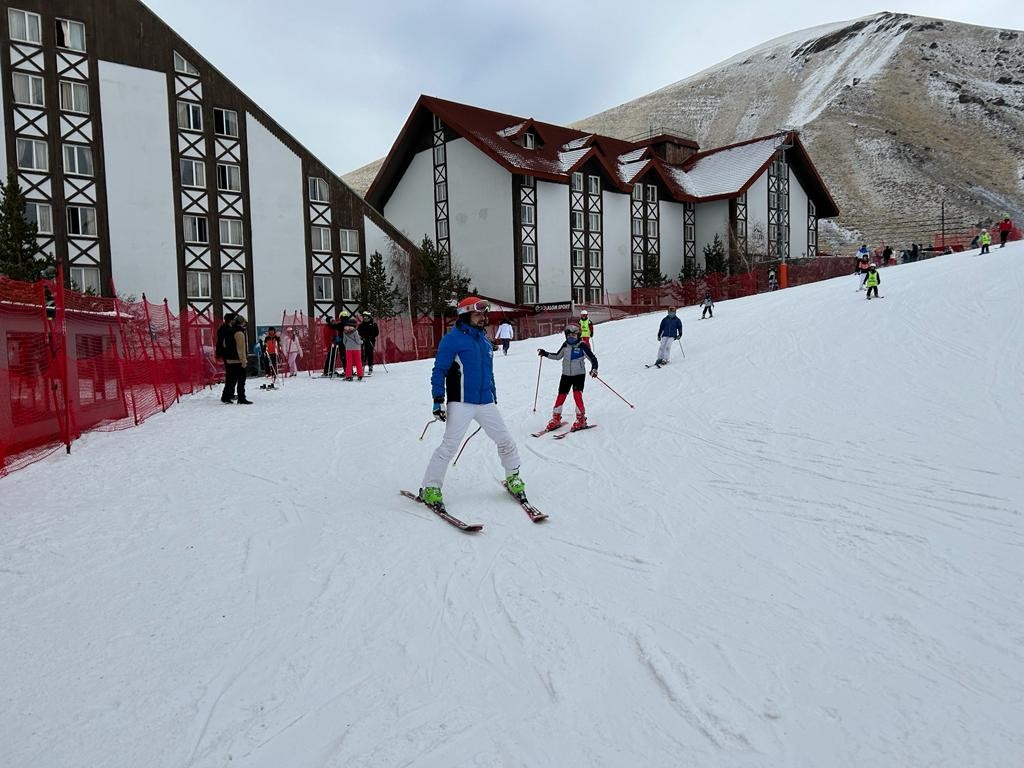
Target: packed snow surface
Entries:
(804, 547)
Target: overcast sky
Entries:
(342, 76)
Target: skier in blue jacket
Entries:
(463, 373)
(671, 328)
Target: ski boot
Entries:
(432, 497)
(580, 423)
(515, 484)
(555, 423)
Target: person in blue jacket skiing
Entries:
(463, 372)
(671, 328)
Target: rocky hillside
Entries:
(900, 113)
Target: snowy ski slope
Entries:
(803, 548)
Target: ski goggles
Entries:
(478, 306)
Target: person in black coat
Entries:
(368, 332)
(224, 347)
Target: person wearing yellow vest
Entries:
(586, 329)
(872, 279)
(986, 241)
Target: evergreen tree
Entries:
(20, 256)
(434, 283)
(714, 255)
(381, 298)
(651, 276)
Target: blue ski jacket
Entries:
(463, 367)
(670, 326)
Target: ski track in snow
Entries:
(803, 547)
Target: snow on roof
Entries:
(725, 171)
(582, 141)
(512, 130)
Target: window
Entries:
(74, 97)
(529, 254)
(70, 34)
(577, 257)
(594, 185)
(232, 285)
(24, 26)
(321, 237)
(193, 173)
(638, 227)
(594, 221)
(595, 295)
(529, 141)
(439, 154)
(577, 182)
(40, 214)
(442, 228)
(85, 279)
(318, 192)
(577, 295)
(577, 220)
(196, 230)
(638, 191)
(438, 125)
(526, 214)
(180, 65)
(349, 288)
(652, 193)
(225, 122)
(190, 116)
(82, 221)
(197, 285)
(32, 155)
(595, 259)
(773, 200)
(652, 227)
(28, 89)
(690, 232)
(638, 262)
(231, 232)
(529, 181)
(349, 240)
(229, 177)
(529, 294)
(323, 288)
(78, 159)
(441, 190)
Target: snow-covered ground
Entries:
(804, 547)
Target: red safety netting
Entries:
(70, 363)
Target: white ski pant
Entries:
(665, 348)
(459, 417)
(293, 365)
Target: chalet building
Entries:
(540, 213)
(147, 168)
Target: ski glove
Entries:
(541, 353)
(593, 372)
(439, 412)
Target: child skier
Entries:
(986, 241)
(671, 328)
(273, 346)
(709, 306)
(863, 262)
(293, 351)
(586, 329)
(574, 370)
(353, 346)
(871, 280)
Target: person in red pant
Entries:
(572, 353)
(1005, 228)
(353, 346)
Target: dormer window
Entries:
(529, 140)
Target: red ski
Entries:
(535, 514)
(440, 511)
(580, 429)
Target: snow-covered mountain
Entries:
(899, 113)
(804, 547)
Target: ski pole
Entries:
(681, 348)
(427, 427)
(464, 445)
(615, 393)
(537, 391)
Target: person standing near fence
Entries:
(353, 347)
(292, 351)
(273, 346)
(368, 332)
(1005, 227)
(671, 328)
(586, 329)
(464, 373)
(222, 351)
(708, 306)
(235, 359)
(505, 335)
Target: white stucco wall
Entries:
(480, 219)
(411, 205)
(278, 225)
(553, 260)
(671, 225)
(617, 258)
(797, 219)
(711, 219)
(140, 201)
(757, 213)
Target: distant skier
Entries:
(368, 332)
(505, 335)
(574, 369)
(472, 396)
(709, 306)
(773, 281)
(272, 344)
(353, 347)
(986, 241)
(887, 257)
(861, 270)
(292, 351)
(1005, 227)
(586, 328)
(871, 280)
(671, 328)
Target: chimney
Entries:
(673, 149)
